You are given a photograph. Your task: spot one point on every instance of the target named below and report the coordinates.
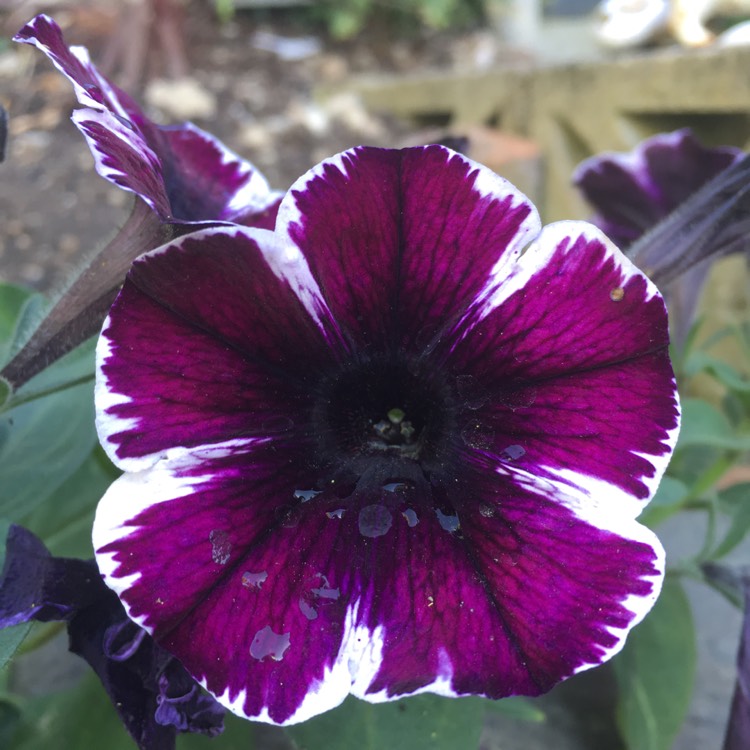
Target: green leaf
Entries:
(30, 315)
(11, 640)
(517, 708)
(79, 718)
(424, 722)
(667, 501)
(42, 444)
(736, 501)
(655, 673)
(12, 299)
(704, 425)
(5, 392)
(64, 521)
(74, 368)
(726, 374)
(10, 717)
(735, 496)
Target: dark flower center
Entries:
(382, 417)
(395, 430)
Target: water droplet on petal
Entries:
(470, 392)
(476, 435)
(338, 513)
(514, 452)
(617, 294)
(305, 495)
(267, 643)
(221, 546)
(374, 520)
(124, 121)
(448, 522)
(521, 398)
(411, 517)
(426, 339)
(253, 580)
(317, 596)
(307, 609)
(395, 486)
(486, 511)
(326, 592)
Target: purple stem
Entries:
(80, 310)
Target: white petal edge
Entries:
(132, 141)
(602, 511)
(134, 492)
(82, 55)
(536, 258)
(547, 244)
(255, 193)
(488, 185)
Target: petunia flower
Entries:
(184, 174)
(182, 178)
(674, 206)
(397, 446)
(149, 688)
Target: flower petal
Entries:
(633, 191)
(221, 328)
(401, 241)
(571, 356)
(122, 156)
(190, 546)
(207, 181)
(504, 604)
(36, 586)
(282, 606)
(91, 88)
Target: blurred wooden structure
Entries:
(575, 110)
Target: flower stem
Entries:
(79, 311)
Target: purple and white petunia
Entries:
(184, 174)
(396, 446)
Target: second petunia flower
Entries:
(185, 175)
(397, 445)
